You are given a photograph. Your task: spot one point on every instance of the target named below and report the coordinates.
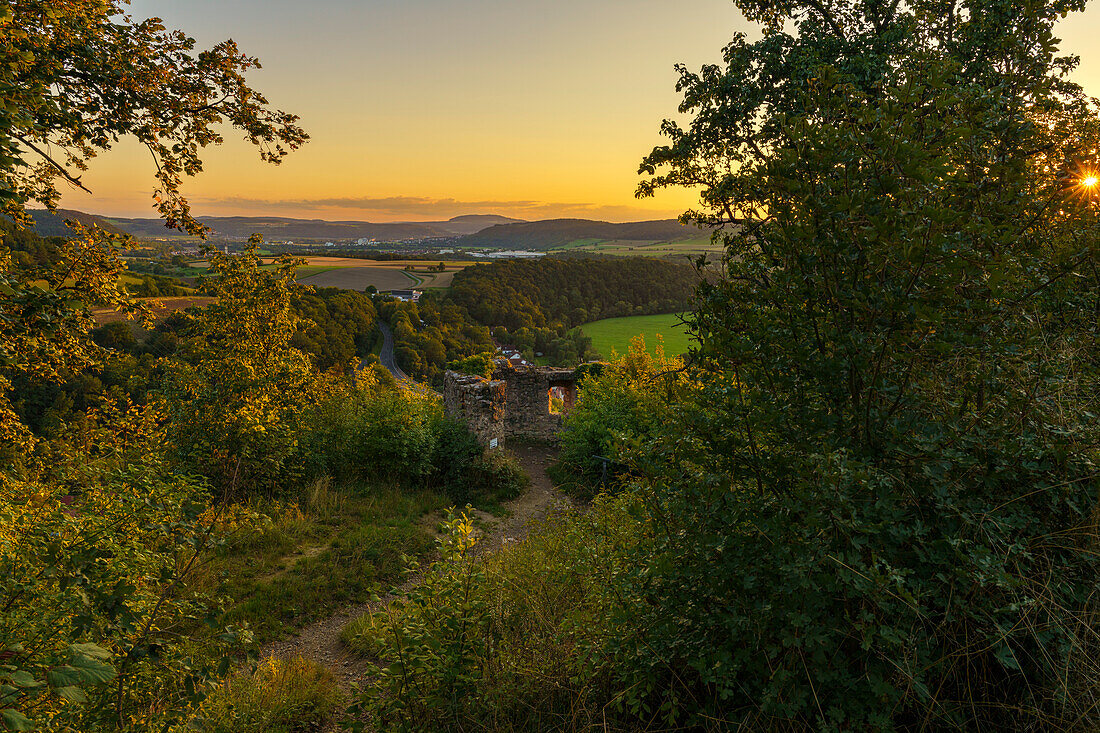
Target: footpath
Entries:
(320, 642)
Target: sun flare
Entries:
(1089, 181)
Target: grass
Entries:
(677, 250)
(614, 334)
(280, 696)
(336, 549)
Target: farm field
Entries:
(614, 334)
(628, 248)
(168, 305)
(351, 273)
(358, 278)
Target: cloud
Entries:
(423, 208)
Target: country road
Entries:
(386, 357)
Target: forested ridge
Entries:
(534, 305)
(553, 291)
(559, 232)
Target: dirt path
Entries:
(320, 641)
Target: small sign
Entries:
(494, 443)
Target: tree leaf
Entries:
(15, 720)
(72, 694)
(92, 670)
(90, 650)
(63, 676)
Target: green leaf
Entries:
(63, 676)
(92, 670)
(90, 650)
(72, 694)
(22, 678)
(15, 720)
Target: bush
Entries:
(618, 405)
(371, 432)
(281, 696)
(504, 645)
(497, 476)
(434, 643)
(456, 448)
(479, 364)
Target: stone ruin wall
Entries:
(477, 402)
(515, 403)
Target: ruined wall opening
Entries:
(563, 395)
(557, 404)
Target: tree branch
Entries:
(56, 166)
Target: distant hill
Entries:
(474, 230)
(52, 224)
(473, 223)
(557, 232)
(282, 228)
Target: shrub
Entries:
(504, 645)
(280, 696)
(456, 448)
(433, 643)
(497, 476)
(367, 431)
(480, 364)
(618, 405)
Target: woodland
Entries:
(865, 500)
(535, 306)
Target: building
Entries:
(408, 296)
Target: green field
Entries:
(675, 250)
(614, 334)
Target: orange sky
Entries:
(427, 109)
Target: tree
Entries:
(45, 320)
(236, 397)
(897, 370)
(75, 75)
(98, 536)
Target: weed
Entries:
(280, 696)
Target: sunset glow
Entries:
(430, 109)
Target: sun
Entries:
(1089, 181)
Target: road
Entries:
(386, 357)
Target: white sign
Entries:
(493, 443)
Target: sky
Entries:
(421, 110)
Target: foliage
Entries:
(98, 634)
(494, 475)
(456, 449)
(881, 500)
(624, 406)
(433, 642)
(562, 293)
(429, 334)
(155, 286)
(478, 364)
(538, 605)
(45, 319)
(76, 75)
(537, 306)
(280, 696)
(237, 394)
(337, 326)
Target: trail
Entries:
(320, 642)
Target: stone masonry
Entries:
(515, 403)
